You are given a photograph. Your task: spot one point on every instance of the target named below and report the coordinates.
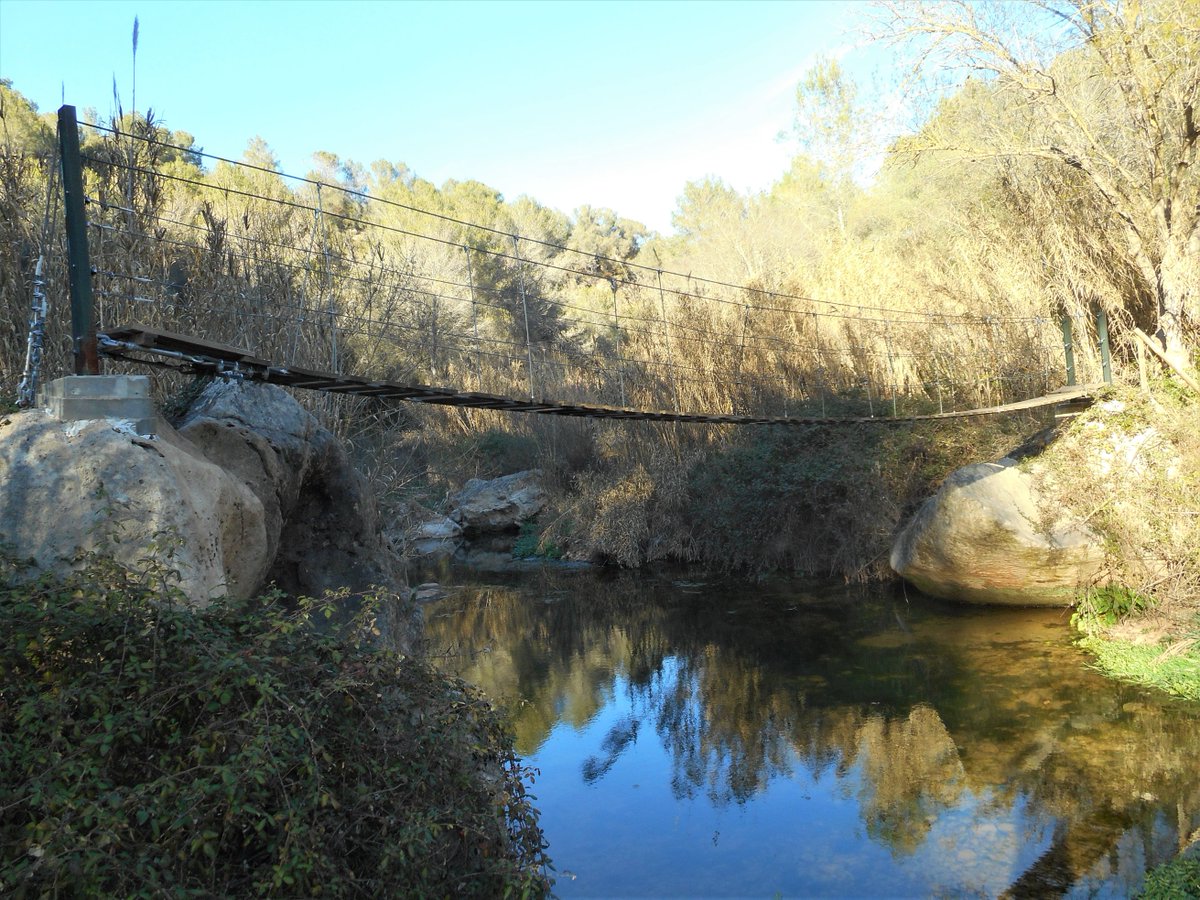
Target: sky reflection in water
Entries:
(727, 740)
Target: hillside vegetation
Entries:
(1057, 180)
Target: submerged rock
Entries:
(987, 537)
(439, 536)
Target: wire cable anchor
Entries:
(27, 390)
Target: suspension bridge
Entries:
(244, 273)
(145, 345)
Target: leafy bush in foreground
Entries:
(1176, 880)
(146, 748)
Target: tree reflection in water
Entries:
(924, 705)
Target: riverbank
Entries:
(829, 501)
(1172, 666)
(241, 749)
(1130, 468)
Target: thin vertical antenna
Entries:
(133, 99)
(132, 128)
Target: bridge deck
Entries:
(136, 343)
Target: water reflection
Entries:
(717, 739)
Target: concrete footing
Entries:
(78, 397)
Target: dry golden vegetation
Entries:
(1057, 182)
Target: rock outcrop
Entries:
(321, 521)
(250, 490)
(500, 504)
(97, 485)
(986, 537)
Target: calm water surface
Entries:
(712, 738)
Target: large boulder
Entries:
(322, 523)
(501, 504)
(987, 536)
(250, 490)
(95, 484)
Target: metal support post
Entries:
(474, 319)
(525, 310)
(327, 285)
(737, 369)
(612, 283)
(83, 320)
(1102, 336)
(662, 303)
(1143, 379)
(1068, 349)
(891, 368)
(742, 345)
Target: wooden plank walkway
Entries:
(136, 343)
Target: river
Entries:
(707, 737)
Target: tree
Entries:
(604, 242)
(831, 125)
(21, 128)
(1101, 94)
(712, 221)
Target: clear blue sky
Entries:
(615, 104)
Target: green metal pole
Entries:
(1102, 335)
(83, 319)
(1068, 349)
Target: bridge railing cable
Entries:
(322, 274)
(628, 265)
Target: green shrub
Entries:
(1176, 880)
(1106, 606)
(530, 544)
(825, 499)
(146, 749)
